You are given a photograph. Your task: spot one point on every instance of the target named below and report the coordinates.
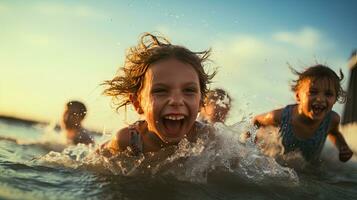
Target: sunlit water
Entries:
(35, 164)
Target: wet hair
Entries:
(219, 96)
(318, 72)
(77, 106)
(149, 50)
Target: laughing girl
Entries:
(305, 125)
(166, 84)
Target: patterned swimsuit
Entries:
(311, 147)
(136, 142)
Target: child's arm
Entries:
(117, 144)
(272, 118)
(338, 140)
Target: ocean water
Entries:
(35, 164)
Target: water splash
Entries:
(192, 162)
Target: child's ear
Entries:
(136, 103)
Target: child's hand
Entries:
(345, 153)
(244, 137)
(102, 150)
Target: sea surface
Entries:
(35, 163)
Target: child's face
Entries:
(215, 112)
(71, 118)
(170, 99)
(316, 98)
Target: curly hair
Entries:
(318, 72)
(149, 50)
(218, 95)
(77, 106)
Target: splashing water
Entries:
(222, 168)
(192, 162)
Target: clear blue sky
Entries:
(54, 51)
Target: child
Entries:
(166, 84)
(73, 116)
(216, 106)
(305, 125)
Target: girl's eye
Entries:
(329, 94)
(190, 90)
(159, 91)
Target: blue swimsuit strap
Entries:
(285, 128)
(136, 143)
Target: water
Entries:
(35, 164)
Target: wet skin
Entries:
(315, 99)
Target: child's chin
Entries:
(172, 139)
(318, 116)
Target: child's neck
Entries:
(300, 116)
(153, 141)
(74, 128)
(71, 133)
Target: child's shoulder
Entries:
(273, 117)
(277, 113)
(122, 138)
(334, 122)
(83, 137)
(118, 143)
(285, 112)
(335, 118)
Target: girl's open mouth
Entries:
(318, 109)
(173, 124)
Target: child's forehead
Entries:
(171, 61)
(313, 80)
(320, 82)
(169, 68)
(323, 81)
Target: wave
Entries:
(219, 169)
(192, 162)
(204, 160)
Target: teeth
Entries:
(174, 117)
(318, 107)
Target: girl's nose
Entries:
(320, 97)
(176, 99)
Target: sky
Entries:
(55, 51)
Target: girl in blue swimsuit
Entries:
(304, 126)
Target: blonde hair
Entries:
(149, 50)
